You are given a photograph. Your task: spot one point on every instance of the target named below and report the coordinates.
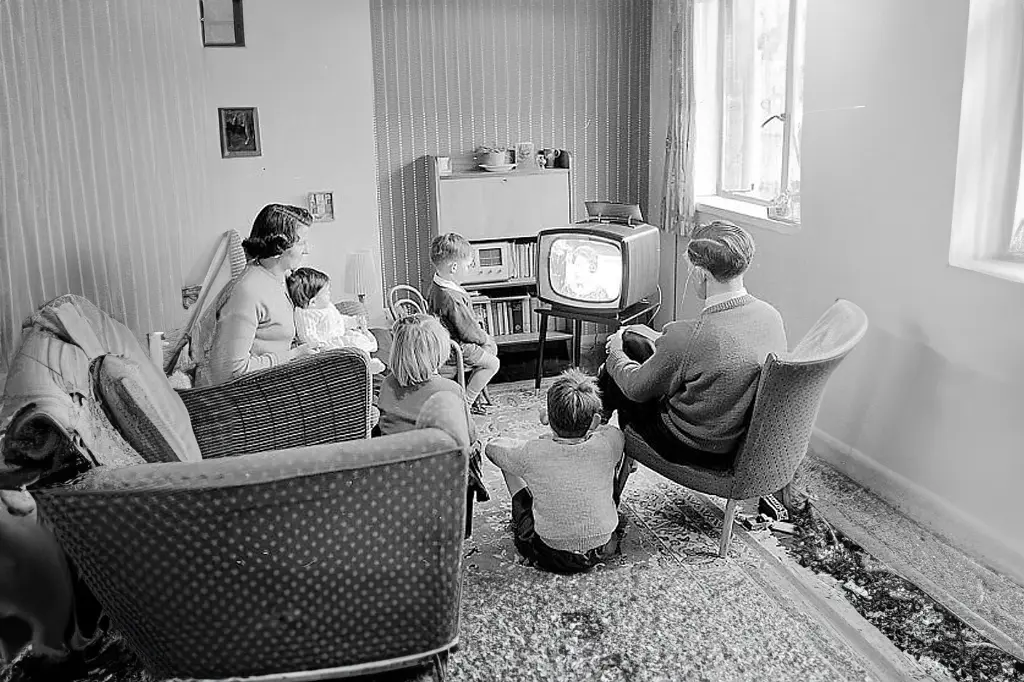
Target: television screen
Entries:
(586, 268)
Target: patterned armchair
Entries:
(789, 393)
(334, 559)
(55, 422)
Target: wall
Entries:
(101, 128)
(307, 66)
(927, 410)
(452, 75)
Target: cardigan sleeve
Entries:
(459, 318)
(231, 355)
(653, 378)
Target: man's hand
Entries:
(614, 342)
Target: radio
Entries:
(491, 263)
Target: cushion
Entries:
(145, 409)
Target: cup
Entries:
(525, 155)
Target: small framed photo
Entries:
(444, 165)
(321, 206)
(239, 132)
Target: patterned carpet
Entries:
(667, 608)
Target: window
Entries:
(749, 66)
(1015, 250)
(988, 201)
(222, 23)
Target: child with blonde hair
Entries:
(420, 346)
(565, 485)
(319, 323)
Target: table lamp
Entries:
(358, 267)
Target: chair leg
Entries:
(730, 517)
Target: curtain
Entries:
(1016, 246)
(677, 204)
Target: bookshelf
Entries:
(504, 209)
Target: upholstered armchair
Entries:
(789, 393)
(83, 392)
(331, 560)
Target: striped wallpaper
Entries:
(99, 147)
(450, 75)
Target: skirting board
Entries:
(922, 505)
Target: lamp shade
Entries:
(358, 269)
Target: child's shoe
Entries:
(479, 408)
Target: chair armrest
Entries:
(265, 467)
(323, 398)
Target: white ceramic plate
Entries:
(500, 168)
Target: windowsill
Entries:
(743, 214)
(1010, 270)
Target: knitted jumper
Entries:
(705, 371)
(571, 483)
(255, 328)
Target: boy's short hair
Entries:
(573, 400)
(420, 346)
(449, 247)
(304, 284)
(722, 248)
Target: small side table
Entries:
(643, 310)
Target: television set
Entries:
(597, 267)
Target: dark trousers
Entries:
(646, 418)
(533, 548)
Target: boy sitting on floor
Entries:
(565, 486)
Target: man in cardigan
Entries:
(689, 393)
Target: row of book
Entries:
(524, 256)
(511, 315)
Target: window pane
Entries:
(796, 113)
(754, 90)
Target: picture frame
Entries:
(221, 22)
(321, 206)
(239, 132)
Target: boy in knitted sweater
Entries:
(565, 485)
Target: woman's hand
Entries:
(303, 350)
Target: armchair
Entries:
(52, 418)
(789, 393)
(312, 563)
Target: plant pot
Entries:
(493, 158)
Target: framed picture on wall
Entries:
(239, 132)
(222, 23)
